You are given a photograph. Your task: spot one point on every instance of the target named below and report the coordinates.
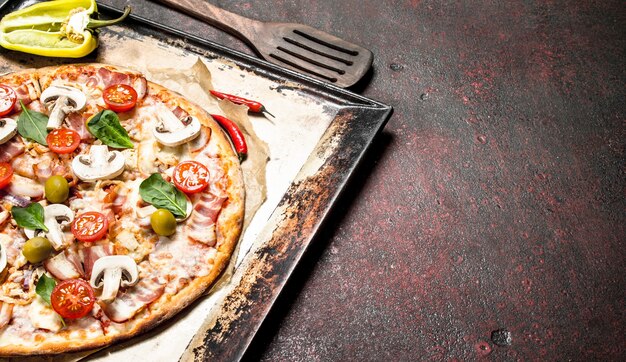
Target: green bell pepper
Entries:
(59, 28)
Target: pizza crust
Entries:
(228, 225)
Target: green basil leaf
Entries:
(29, 217)
(163, 195)
(106, 127)
(33, 125)
(44, 287)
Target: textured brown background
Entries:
(488, 219)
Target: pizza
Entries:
(121, 203)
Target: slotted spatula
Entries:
(295, 46)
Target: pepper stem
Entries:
(95, 23)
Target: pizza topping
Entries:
(201, 225)
(3, 258)
(134, 299)
(112, 272)
(30, 217)
(8, 98)
(61, 100)
(191, 177)
(163, 222)
(56, 189)
(14, 147)
(171, 131)
(6, 174)
(63, 140)
(6, 313)
(106, 127)
(156, 191)
(91, 254)
(25, 187)
(73, 298)
(37, 249)
(90, 226)
(120, 97)
(32, 125)
(42, 316)
(56, 218)
(99, 164)
(63, 267)
(8, 129)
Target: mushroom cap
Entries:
(77, 97)
(129, 276)
(54, 214)
(8, 129)
(99, 164)
(171, 131)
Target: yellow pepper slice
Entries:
(59, 28)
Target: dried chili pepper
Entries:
(235, 135)
(253, 106)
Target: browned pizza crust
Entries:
(228, 225)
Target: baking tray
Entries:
(302, 209)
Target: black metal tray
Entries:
(302, 209)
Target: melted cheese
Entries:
(42, 316)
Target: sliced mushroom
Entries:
(56, 217)
(8, 129)
(99, 164)
(61, 100)
(111, 272)
(171, 131)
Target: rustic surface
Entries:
(488, 220)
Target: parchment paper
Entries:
(288, 140)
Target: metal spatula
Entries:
(295, 46)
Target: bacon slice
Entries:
(65, 265)
(98, 314)
(141, 87)
(201, 224)
(6, 313)
(93, 253)
(134, 299)
(78, 123)
(11, 149)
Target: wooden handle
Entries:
(232, 23)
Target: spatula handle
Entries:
(232, 23)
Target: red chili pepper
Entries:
(235, 135)
(253, 106)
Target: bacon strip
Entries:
(6, 313)
(93, 253)
(11, 149)
(65, 265)
(78, 123)
(131, 301)
(201, 224)
(109, 78)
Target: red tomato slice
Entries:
(191, 177)
(120, 97)
(72, 298)
(6, 174)
(7, 100)
(90, 226)
(63, 140)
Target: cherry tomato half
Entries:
(72, 298)
(6, 174)
(90, 226)
(120, 97)
(63, 140)
(191, 177)
(7, 100)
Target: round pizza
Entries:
(120, 203)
